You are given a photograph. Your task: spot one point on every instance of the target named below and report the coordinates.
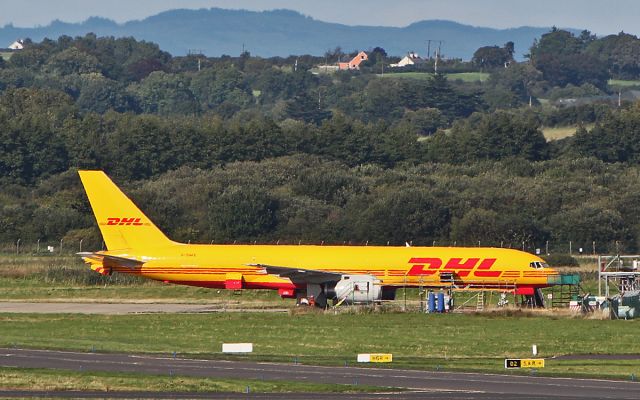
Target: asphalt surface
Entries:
(119, 308)
(422, 384)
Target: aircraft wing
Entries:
(108, 259)
(300, 275)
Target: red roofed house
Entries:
(355, 62)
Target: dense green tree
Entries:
(165, 94)
(307, 109)
(620, 52)
(242, 213)
(399, 216)
(423, 121)
(562, 59)
(513, 86)
(30, 144)
(493, 136)
(99, 94)
(71, 61)
(213, 87)
(616, 139)
(490, 57)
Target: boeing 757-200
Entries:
(134, 245)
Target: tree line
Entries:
(251, 149)
(301, 198)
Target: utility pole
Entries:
(619, 99)
(438, 52)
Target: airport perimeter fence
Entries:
(65, 246)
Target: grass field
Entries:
(561, 132)
(53, 380)
(463, 342)
(469, 76)
(623, 83)
(463, 76)
(454, 342)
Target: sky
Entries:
(599, 16)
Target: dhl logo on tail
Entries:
(122, 221)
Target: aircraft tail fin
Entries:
(122, 224)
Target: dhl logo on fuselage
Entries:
(122, 221)
(428, 266)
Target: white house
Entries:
(17, 45)
(412, 58)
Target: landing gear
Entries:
(536, 300)
(313, 296)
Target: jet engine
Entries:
(355, 289)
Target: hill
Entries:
(218, 31)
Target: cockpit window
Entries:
(539, 265)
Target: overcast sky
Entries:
(599, 16)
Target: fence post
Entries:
(18, 247)
(81, 245)
(60, 251)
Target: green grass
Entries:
(623, 83)
(57, 380)
(454, 342)
(561, 132)
(463, 76)
(469, 76)
(465, 342)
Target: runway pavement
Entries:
(423, 384)
(121, 308)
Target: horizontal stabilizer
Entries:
(300, 275)
(112, 260)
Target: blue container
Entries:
(440, 302)
(431, 301)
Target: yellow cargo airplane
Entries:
(338, 273)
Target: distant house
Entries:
(17, 45)
(354, 63)
(412, 58)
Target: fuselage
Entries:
(216, 265)
(136, 246)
